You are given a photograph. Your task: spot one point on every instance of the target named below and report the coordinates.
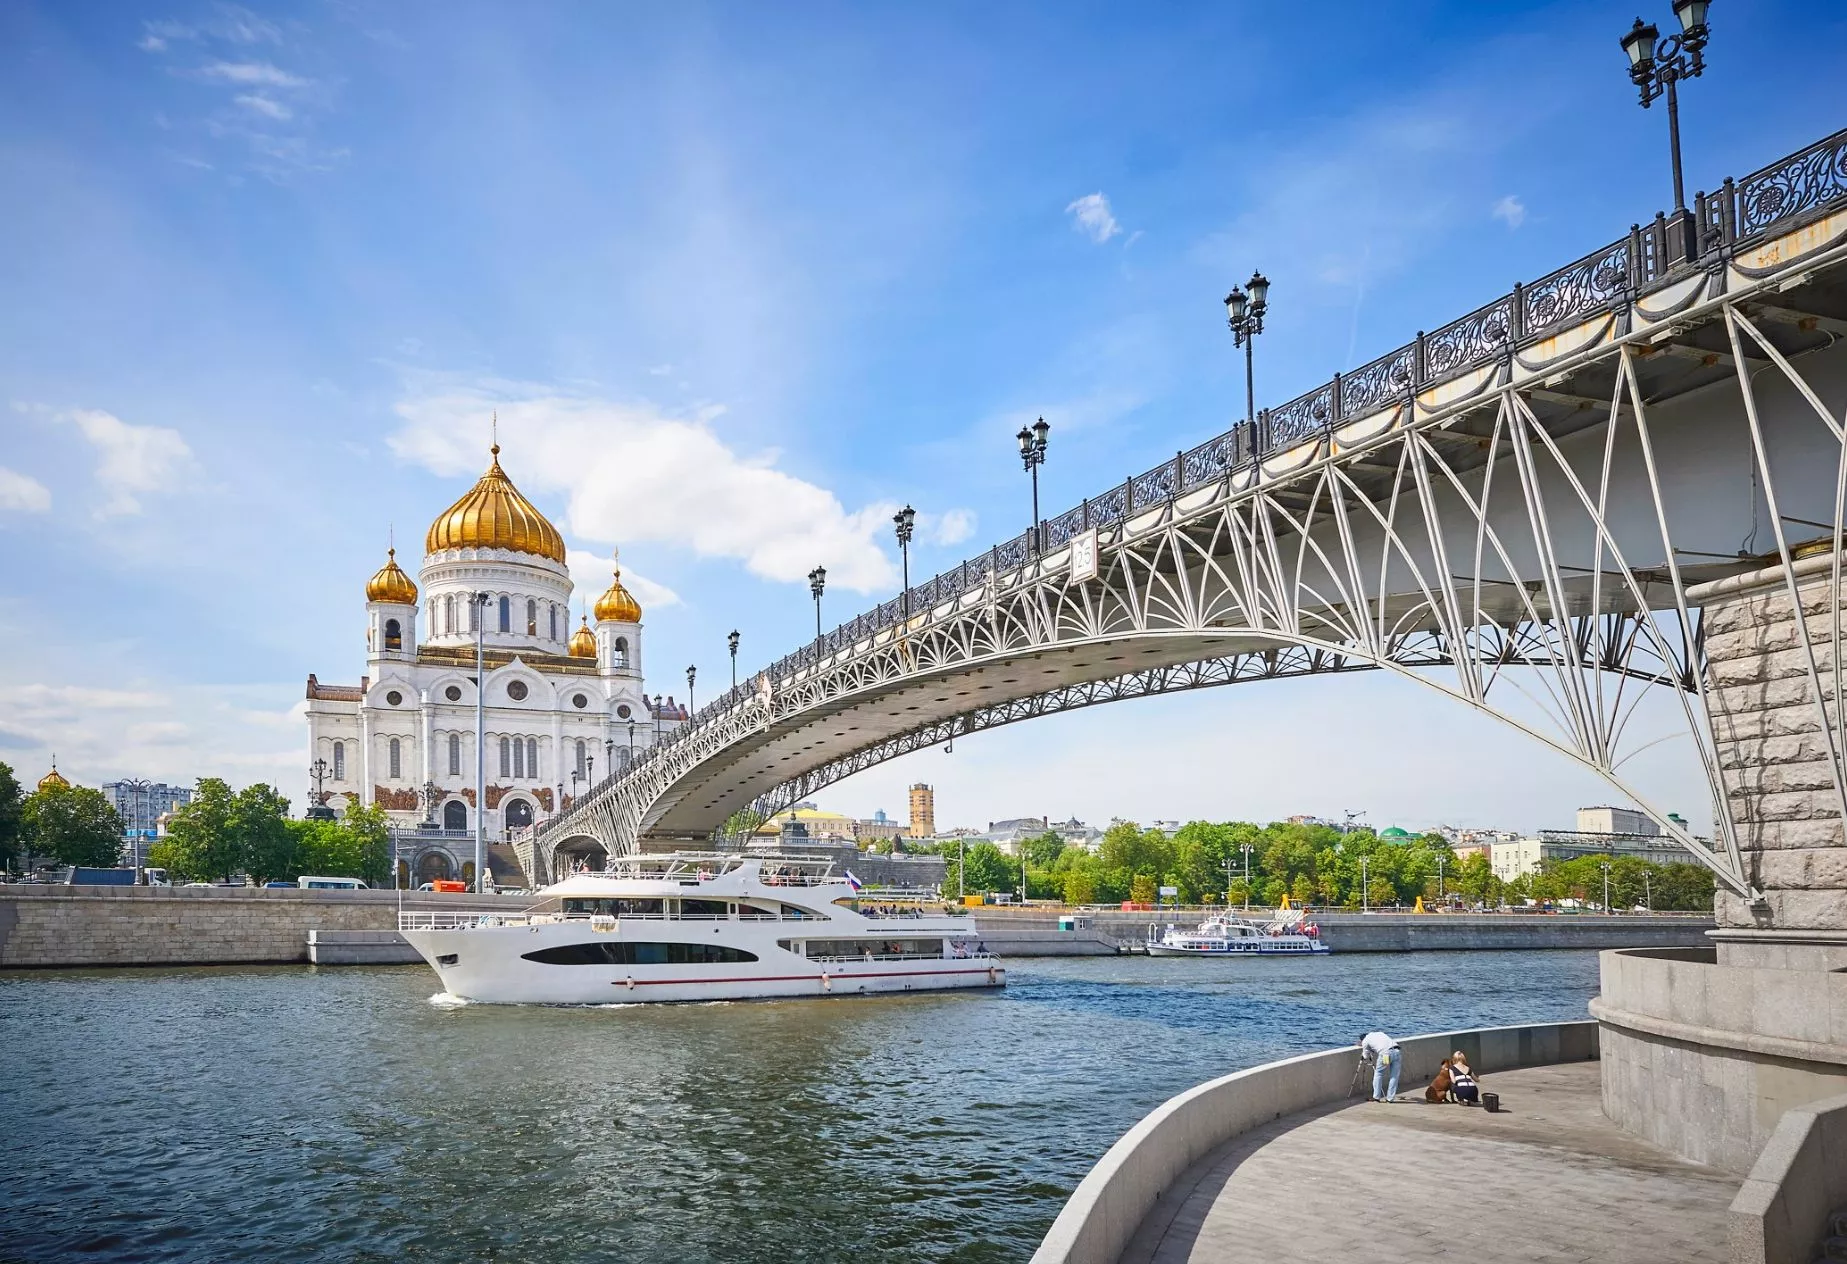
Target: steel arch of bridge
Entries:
(1517, 513)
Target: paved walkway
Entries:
(1548, 1179)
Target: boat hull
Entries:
(487, 965)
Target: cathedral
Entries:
(563, 707)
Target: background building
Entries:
(923, 811)
(141, 804)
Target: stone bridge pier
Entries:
(1704, 1050)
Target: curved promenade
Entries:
(1148, 1164)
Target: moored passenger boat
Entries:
(1228, 936)
(701, 927)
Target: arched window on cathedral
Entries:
(506, 758)
(455, 755)
(519, 759)
(429, 618)
(394, 635)
(448, 615)
(532, 617)
(397, 767)
(339, 761)
(474, 612)
(580, 757)
(506, 615)
(618, 654)
(532, 758)
(552, 614)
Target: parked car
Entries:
(283, 886)
(207, 885)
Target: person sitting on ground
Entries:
(1381, 1052)
(1462, 1084)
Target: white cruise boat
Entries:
(701, 927)
(1228, 936)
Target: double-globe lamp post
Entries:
(732, 642)
(905, 520)
(1244, 309)
(1657, 65)
(817, 584)
(1032, 454)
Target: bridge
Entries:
(1536, 499)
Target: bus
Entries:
(330, 884)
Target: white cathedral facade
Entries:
(562, 707)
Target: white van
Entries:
(331, 884)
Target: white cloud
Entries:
(1510, 210)
(267, 106)
(590, 572)
(948, 528)
(23, 494)
(631, 473)
(1091, 216)
(131, 460)
(254, 73)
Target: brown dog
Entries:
(1439, 1087)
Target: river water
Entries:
(344, 1114)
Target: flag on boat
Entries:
(853, 882)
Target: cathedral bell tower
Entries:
(391, 613)
(618, 630)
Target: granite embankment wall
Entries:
(1408, 932)
(135, 926)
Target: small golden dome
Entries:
(53, 780)
(493, 515)
(616, 605)
(583, 642)
(391, 583)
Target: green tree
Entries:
(260, 825)
(1080, 887)
(1043, 851)
(12, 820)
(201, 838)
(74, 825)
(1142, 889)
(358, 845)
(987, 868)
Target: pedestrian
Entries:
(1381, 1051)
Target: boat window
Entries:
(879, 949)
(796, 911)
(704, 908)
(617, 908)
(619, 953)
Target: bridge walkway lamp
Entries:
(631, 743)
(905, 520)
(691, 672)
(1656, 66)
(817, 584)
(1244, 316)
(732, 642)
(1032, 455)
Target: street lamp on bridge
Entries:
(905, 520)
(732, 642)
(1032, 454)
(1656, 68)
(817, 583)
(691, 672)
(1244, 314)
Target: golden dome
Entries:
(53, 780)
(391, 583)
(616, 605)
(583, 642)
(493, 515)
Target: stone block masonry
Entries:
(54, 926)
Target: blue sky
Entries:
(739, 280)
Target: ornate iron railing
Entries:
(1772, 200)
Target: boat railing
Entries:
(848, 958)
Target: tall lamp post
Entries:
(1365, 890)
(1656, 67)
(1246, 849)
(690, 673)
(1032, 455)
(318, 810)
(1244, 314)
(1605, 866)
(732, 642)
(905, 520)
(480, 601)
(631, 742)
(817, 584)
